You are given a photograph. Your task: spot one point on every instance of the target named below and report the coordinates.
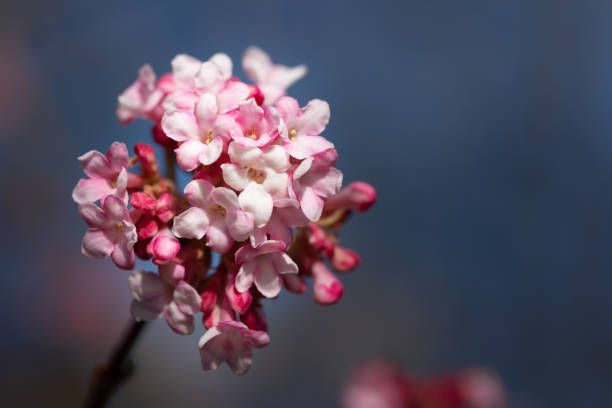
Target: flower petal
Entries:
(312, 204)
(95, 164)
(314, 118)
(224, 62)
(206, 108)
(283, 263)
(184, 69)
(188, 154)
(180, 125)
(96, 244)
(90, 190)
(245, 277)
(306, 146)
(240, 224)
(267, 280)
(147, 286)
(217, 236)
(244, 155)
(191, 223)
(187, 298)
(115, 208)
(93, 215)
(256, 64)
(257, 202)
(118, 156)
(276, 157)
(181, 323)
(123, 255)
(288, 107)
(211, 151)
(235, 176)
(198, 192)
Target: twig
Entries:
(107, 377)
(170, 171)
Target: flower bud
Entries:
(327, 288)
(294, 283)
(160, 137)
(255, 93)
(357, 196)
(146, 156)
(165, 247)
(209, 296)
(344, 259)
(254, 318)
(240, 302)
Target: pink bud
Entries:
(240, 302)
(166, 83)
(357, 196)
(147, 227)
(294, 283)
(254, 319)
(344, 259)
(160, 137)
(146, 156)
(320, 240)
(143, 201)
(165, 247)
(166, 207)
(255, 93)
(140, 249)
(327, 288)
(209, 296)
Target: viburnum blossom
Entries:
(263, 193)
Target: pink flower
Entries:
(141, 98)
(257, 126)
(201, 132)
(107, 174)
(155, 295)
(215, 213)
(192, 74)
(111, 232)
(301, 127)
(263, 266)
(261, 173)
(312, 181)
(230, 342)
(272, 79)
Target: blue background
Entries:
(485, 127)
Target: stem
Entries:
(107, 377)
(170, 171)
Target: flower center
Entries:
(292, 133)
(253, 133)
(209, 137)
(218, 208)
(257, 175)
(119, 225)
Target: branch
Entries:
(107, 377)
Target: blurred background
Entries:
(485, 127)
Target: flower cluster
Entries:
(264, 195)
(380, 384)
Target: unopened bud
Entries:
(327, 288)
(344, 259)
(357, 196)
